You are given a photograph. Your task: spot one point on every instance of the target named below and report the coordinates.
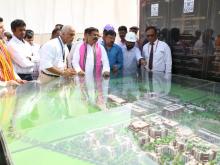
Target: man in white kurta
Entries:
(90, 41)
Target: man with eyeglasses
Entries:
(157, 53)
(90, 56)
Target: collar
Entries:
(18, 40)
(133, 49)
(155, 42)
(59, 38)
(103, 43)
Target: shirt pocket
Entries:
(159, 58)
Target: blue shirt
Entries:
(115, 56)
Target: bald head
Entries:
(67, 34)
(67, 28)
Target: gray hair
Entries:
(66, 28)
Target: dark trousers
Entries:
(27, 77)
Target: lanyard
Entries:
(63, 51)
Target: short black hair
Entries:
(17, 23)
(1, 19)
(151, 27)
(8, 35)
(90, 30)
(58, 26)
(54, 32)
(134, 28)
(122, 28)
(109, 32)
(29, 33)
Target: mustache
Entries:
(129, 47)
(95, 38)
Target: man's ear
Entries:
(86, 38)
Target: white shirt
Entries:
(89, 66)
(122, 45)
(51, 55)
(35, 52)
(131, 59)
(20, 52)
(162, 60)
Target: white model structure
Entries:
(109, 135)
(173, 110)
(157, 132)
(116, 99)
(137, 126)
(145, 104)
(163, 101)
(209, 136)
(137, 110)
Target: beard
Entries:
(95, 39)
(129, 47)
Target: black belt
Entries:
(51, 75)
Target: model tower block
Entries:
(157, 132)
(139, 125)
(173, 110)
(202, 151)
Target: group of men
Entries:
(91, 56)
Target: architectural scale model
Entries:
(173, 110)
(167, 142)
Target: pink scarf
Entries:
(98, 64)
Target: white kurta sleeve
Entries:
(105, 62)
(168, 59)
(76, 58)
(145, 52)
(70, 56)
(138, 54)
